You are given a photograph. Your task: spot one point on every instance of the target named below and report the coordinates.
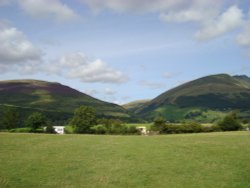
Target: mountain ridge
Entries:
(53, 96)
(213, 94)
(216, 92)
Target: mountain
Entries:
(53, 99)
(134, 105)
(219, 93)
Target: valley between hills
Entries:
(205, 100)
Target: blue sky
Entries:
(120, 51)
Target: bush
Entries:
(50, 129)
(230, 123)
(118, 128)
(113, 126)
(159, 124)
(132, 130)
(191, 127)
(21, 130)
(171, 129)
(213, 128)
(68, 129)
(99, 129)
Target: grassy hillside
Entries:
(192, 160)
(133, 106)
(52, 98)
(216, 93)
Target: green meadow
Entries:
(184, 160)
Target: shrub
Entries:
(68, 129)
(118, 129)
(132, 130)
(99, 129)
(191, 127)
(159, 124)
(171, 129)
(21, 130)
(230, 123)
(113, 126)
(50, 129)
(212, 128)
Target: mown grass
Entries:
(190, 160)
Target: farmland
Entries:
(184, 160)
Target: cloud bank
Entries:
(19, 54)
(16, 49)
(214, 18)
(48, 9)
(226, 22)
(79, 66)
(54, 10)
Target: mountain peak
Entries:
(218, 91)
(52, 96)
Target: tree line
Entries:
(85, 121)
(230, 122)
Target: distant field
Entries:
(190, 160)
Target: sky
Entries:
(120, 51)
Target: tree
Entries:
(50, 129)
(84, 118)
(35, 121)
(159, 124)
(11, 118)
(230, 123)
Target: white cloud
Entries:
(91, 92)
(134, 5)
(79, 66)
(145, 6)
(106, 94)
(183, 16)
(211, 16)
(170, 75)
(15, 48)
(48, 9)
(108, 91)
(228, 21)
(195, 11)
(243, 39)
(152, 85)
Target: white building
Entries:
(143, 130)
(59, 129)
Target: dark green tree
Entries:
(84, 118)
(50, 129)
(35, 121)
(159, 124)
(11, 118)
(230, 123)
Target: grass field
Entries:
(190, 160)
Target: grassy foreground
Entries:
(191, 160)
